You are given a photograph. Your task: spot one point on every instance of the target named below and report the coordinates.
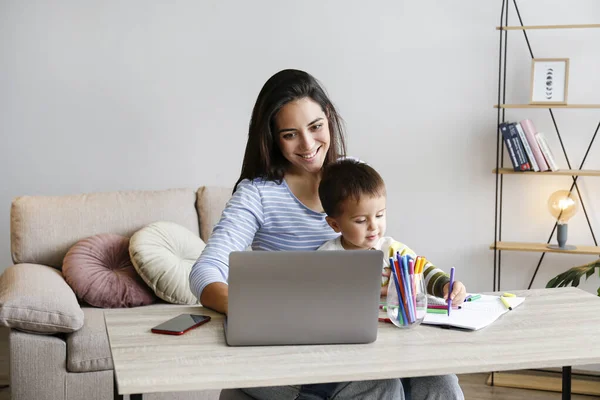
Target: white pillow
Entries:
(163, 254)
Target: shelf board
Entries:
(563, 172)
(547, 105)
(522, 28)
(541, 247)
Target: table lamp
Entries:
(562, 204)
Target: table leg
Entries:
(566, 383)
(116, 394)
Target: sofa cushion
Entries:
(100, 272)
(163, 254)
(36, 298)
(43, 228)
(88, 349)
(210, 202)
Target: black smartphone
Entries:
(181, 324)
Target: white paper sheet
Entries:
(476, 314)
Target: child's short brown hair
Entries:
(347, 179)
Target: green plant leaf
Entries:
(589, 273)
(573, 275)
(552, 282)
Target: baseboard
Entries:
(546, 380)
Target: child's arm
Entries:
(437, 282)
(435, 279)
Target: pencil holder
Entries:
(406, 300)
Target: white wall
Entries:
(112, 95)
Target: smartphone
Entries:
(181, 324)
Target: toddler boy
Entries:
(353, 196)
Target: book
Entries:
(475, 315)
(541, 139)
(530, 132)
(519, 149)
(510, 146)
(528, 150)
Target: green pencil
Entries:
(436, 311)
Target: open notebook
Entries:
(473, 315)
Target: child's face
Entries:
(362, 222)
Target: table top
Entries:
(552, 328)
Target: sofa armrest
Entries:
(36, 298)
(37, 366)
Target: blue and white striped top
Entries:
(267, 216)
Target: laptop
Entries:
(303, 297)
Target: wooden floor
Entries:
(474, 388)
(473, 385)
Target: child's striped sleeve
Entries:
(435, 278)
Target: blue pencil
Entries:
(402, 263)
(401, 312)
(401, 309)
(411, 277)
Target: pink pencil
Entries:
(438, 307)
(411, 271)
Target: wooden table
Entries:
(552, 328)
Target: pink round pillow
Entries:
(100, 272)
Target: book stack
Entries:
(527, 148)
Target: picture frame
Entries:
(549, 81)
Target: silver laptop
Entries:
(303, 297)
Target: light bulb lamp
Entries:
(563, 205)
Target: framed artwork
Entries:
(549, 80)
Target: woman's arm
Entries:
(241, 219)
(216, 296)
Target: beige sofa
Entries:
(78, 365)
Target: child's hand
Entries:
(385, 275)
(459, 292)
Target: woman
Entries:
(294, 131)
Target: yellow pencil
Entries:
(505, 302)
(422, 264)
(509, 295)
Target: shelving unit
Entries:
(531, 27)
(541, 248)
(563, 172)
(498, 246)
(502, 105)
(547, 106)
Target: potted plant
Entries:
(573, 276)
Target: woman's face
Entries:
(302, 132)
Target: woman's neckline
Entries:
(284, 182)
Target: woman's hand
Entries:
(459, 293)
